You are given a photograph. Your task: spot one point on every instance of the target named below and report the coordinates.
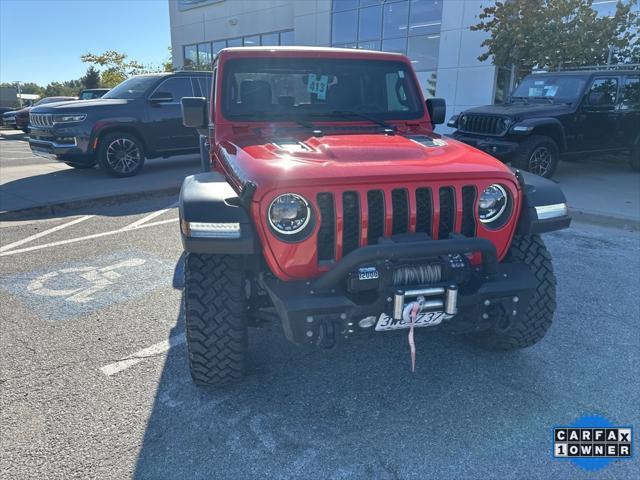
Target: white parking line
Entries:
(88, 237)
(151, 216)
(139, 356)
(57, 228)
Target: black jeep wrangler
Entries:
(550, 115)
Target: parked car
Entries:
(92, 93)
(336, 210)
(9, 118)
(139, 118)
(558, 115)
(22, 115)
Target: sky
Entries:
(41, 40)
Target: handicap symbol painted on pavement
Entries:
(97, 279)
(77, 288)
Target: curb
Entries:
(600, 219)
(53, 209)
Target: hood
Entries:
(273, 162)
(79, 105)
(520, 110)
(10, 113)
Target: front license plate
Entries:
(426, 319)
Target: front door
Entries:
(165, 114)
(599, 119)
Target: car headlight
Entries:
(69, 118)
(493, 203)
(289, 214)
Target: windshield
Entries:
(134, 87)
(264, 89)
(555, 87)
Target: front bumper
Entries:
(496, 146)
(62, 145)
(492, 295)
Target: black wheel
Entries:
(538, 154)
(531, 327)
(215, 301)
(634, 160)
(80, 166)
(120, 154)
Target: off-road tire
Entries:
(634, 160)
(528, 329)
(536, 143)
(215, 317)
(81, 166)
(102, 153)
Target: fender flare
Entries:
(539, 192)
(534, 123)
(208, 198)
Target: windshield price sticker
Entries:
(318, 85)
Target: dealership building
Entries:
(434, 34)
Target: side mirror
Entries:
(194, 112)
(437, 108)
(161, 97)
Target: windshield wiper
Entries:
(545, 98)
(387, 128)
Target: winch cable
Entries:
(413, 315)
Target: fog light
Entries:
(212, 230)
(367, 322)
(67, 140)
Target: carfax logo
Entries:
(592, 442)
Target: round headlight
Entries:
(289, 214)
(493, 203)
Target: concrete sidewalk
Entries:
(35, 186)
(606, 193)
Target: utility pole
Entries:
(19, 93)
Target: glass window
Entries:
(368, 3)
(346, 45)
(190, 56)
(603, 91)
(503, 79)
(253, 41)
(344, 27)
(203, 84)
(427, 81)
(395, 45)
(396, 20)
(270, 39)
(134, 87)
(286, 38)
(234, 42)
(425, 17)
(205, 59)
(219, 45)
(423, 51)
(272, 89)
(370, 45)
(177, 87)
(548, 86)
(341, 5)
(370, 24)
(631, 92)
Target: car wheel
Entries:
(121, 154)
(215, 318)
(539, 155)
(530, 327)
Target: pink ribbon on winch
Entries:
(413, 315)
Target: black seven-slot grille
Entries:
(485, 124)
(371, 210)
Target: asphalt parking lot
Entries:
(95, 383)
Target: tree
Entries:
(69, 88)
(119, 68)
(91, 79)
(167, 65)
(550, 34)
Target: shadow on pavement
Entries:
(352, 412)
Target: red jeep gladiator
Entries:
(333, 208)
